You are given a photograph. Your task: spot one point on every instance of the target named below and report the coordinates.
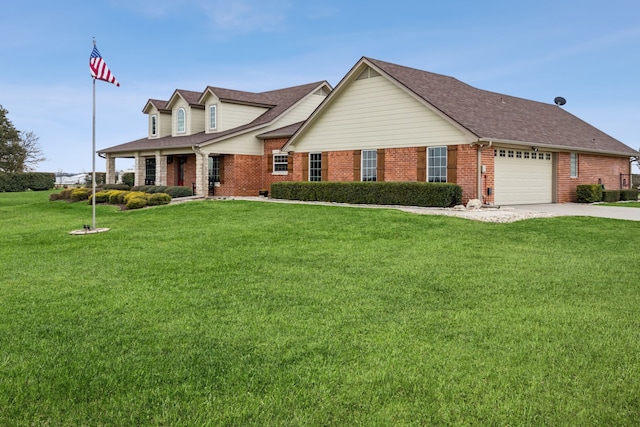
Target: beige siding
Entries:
(301, 111)
(197, 120)
(164, 124)
(375, 113)
(233, 115)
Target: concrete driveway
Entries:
(581, 209)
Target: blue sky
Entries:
(586, 51)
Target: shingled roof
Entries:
(491, 116)
(278, 102)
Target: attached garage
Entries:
(523, 177)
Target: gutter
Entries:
(558, 147)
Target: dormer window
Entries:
(180, 125)
(213, 117)
(154, 125)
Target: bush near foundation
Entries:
(589, 193)
(425, 194)
(629, 195)
(610, 196)
(136, 202)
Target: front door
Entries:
(182, 161)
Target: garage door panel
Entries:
(522, 177)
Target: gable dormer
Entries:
(187, 114)
(159, 118)
(227, 109)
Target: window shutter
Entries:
(452, 163)
(221, 163)
(380, 165)
(290, 163)
(422, 164)
(357, 162)
(269, 163)
(325, 166)
(305, 166)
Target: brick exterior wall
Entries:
(592, 169)
(400, 164)
(269, 178)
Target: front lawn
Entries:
(622, 204)
(244, 313)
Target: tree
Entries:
(12, 155)
(19, 152)
(34, 155)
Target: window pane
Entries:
(315, 166)
(212, 117)
(437, 164)
(369, 165)
(280, 163)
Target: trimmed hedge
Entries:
(173, 191)
(158, 199)
(629, 195)
(36, 181)
(589, 193)
(610, 196)
(425, 194)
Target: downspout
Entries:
(481, 147)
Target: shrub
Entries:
(631, 195)
(128, 178)
(611, 196)
(116, 197)
(383, 193)
(589, 193)
(40, 181)
(101, 197)
(136, 202)
(80, 194)
(115, 187)
(157, 199)
(101, 179)
(134, 195)
(175, 192)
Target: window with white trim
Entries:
(573, 165)
(213, 117)
(181, 120)
(437, 164)
(315, 166)
(369, 165)
(280, 164)
(154, 125)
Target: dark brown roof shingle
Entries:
(494, 116)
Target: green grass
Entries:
(241, 313)
(623, 204)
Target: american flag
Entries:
(99, 69)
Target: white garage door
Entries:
(522, 177)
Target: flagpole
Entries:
(93, 158)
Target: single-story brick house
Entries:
(382, 122)
(393, 123)
(207, 139)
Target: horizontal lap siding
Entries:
(375, 113)
(234, 115)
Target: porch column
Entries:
(161, 169)
(111, 170)
(202, 173)
(139, 170)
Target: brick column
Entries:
(161, 169)
(139, 170)
(111, 170)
